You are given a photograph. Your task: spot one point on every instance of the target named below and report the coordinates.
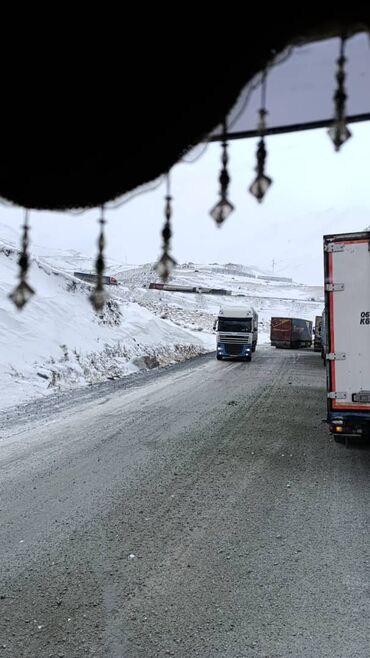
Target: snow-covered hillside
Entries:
(57, 341)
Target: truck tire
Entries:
(218, 357)
(338, 439)
(248, 358)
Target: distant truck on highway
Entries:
(323, 335)
(347, 305)
(317, 343)
(291, 332)
(91, 278)
(237, 332)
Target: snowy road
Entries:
(202, 511)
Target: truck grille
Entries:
(240, 340)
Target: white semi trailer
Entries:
(347, 333)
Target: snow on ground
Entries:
(58, 342)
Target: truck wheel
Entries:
(248, 358)
(338, 439)
(219, 357)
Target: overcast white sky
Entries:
(315, 191)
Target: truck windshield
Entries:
(234, 324)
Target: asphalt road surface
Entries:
(201, 511)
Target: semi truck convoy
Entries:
(347, 331)
(237, 332)
(291, 332)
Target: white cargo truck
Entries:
(237, 332)
(347, 333)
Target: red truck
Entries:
(291, 332)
